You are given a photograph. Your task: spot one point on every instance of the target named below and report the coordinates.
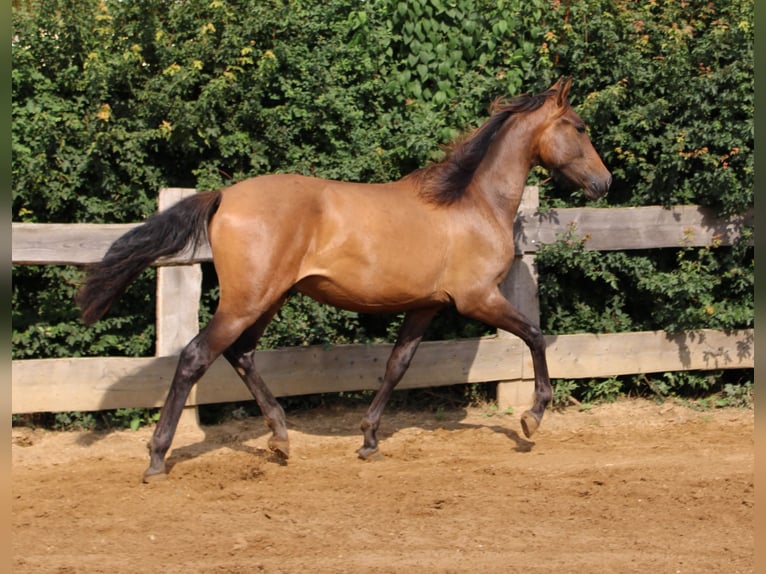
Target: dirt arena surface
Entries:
(628, 487)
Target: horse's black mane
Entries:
(446, 182)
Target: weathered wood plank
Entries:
(520, 288)
(63, 243)
(625, 228)
(78, 244)
(179, 289)
(117, 382)
(590, 355)
(106, 383)
(607, 229)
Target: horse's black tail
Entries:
(165, 233)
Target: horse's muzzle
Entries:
(598, 186)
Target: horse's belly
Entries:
(374, 295)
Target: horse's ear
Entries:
(562, 86)
(557, 85)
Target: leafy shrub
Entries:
(129, 418)
(671, 289)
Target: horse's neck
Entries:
(502, 175)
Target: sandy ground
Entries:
(628, 487)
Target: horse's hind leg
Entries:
(194, 360)
(410, 335)
(241, 355)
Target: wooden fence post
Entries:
(520, 287)
(178, 294)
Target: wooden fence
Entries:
(81, 384)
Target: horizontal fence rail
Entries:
(639, 228)
(84, 384)
(73, 384)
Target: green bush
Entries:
(129, 418)
(671, 289)
(113, 100)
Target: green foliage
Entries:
(701, 390)
(603, 390)
(736, 395)
(670, 289)
(668, 91)
(133, 418)
(113, 100)
(74, 421)
(563, 389)
(130, 418)
(305, 322)
(46, 323)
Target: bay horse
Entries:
(442, 235)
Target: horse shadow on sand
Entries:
(289, 373)
(249, 433)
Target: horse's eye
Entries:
(581, 128)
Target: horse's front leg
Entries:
(495, 310)
(410, 335)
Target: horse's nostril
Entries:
(602, 185)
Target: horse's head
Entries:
(564, 146)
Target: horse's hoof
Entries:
(151, 476)
(529, 423)
(367, 453)
(280, 447)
